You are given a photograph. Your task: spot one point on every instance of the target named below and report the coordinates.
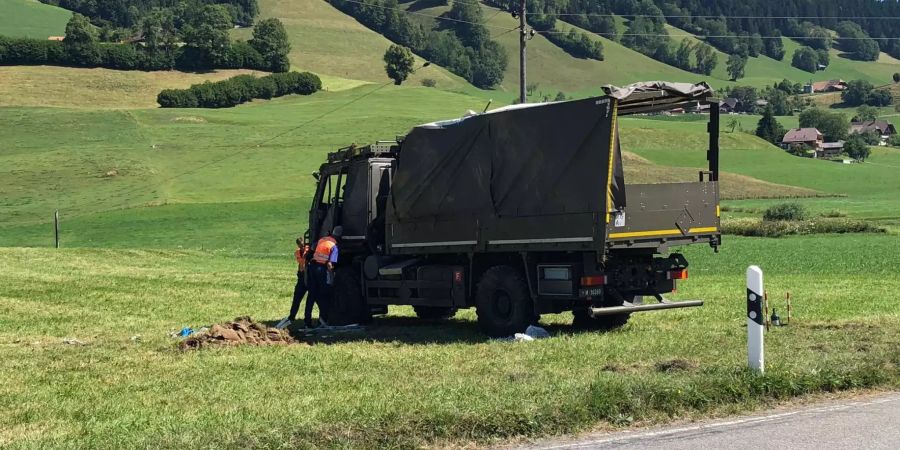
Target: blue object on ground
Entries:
(186, 331)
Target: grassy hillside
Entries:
(94, 88)
(31, 18)
(196, 178)
(326, 41)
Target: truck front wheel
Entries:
(502, 302)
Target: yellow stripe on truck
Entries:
(673, 231)
(612, 150)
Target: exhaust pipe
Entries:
(629, 308)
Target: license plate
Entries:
(591, 292)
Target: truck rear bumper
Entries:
(630, 307)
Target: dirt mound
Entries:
(240, 331)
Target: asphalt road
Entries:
(871, 423)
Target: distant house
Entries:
(809, 137)
(762, 103)
(830, 149)
(56, 38)
(884, 128)
(730, 105)
(829, 86)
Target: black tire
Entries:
(582, 319)
(434, 312)
(348, 304)
(503, 304)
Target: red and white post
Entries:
(755, 319)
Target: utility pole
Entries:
(522, 39)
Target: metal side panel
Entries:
(670, 211)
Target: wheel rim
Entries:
(503, 305)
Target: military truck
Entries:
(517, 212)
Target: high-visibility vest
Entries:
(323, 249)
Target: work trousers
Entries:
(299, 292)
(319, 289)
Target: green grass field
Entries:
(30, 18)
(403, 383)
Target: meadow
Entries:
(405, 383)
(31, 18)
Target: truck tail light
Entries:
(678, 274)
(593, 280)
(457, 276)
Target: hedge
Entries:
(239, 89)
(35, 52)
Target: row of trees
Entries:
(202, 45)
(464, 47)
(129, 14)
(577, 44)
(239, 89)
(861, 92)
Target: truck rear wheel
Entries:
(434, 312)
(582, 318)
(502, 302)
(348, 304)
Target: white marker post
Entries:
(755, 319)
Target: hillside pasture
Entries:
(31, 18)
(71, 87)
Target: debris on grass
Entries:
(240, 331)
(675, 365)
(73, 341)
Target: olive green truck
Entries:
(517, 212)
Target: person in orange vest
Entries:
(300, 254)
(321, 272)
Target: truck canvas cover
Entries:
(536, 172)
(525, 160)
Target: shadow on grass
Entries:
(412, 331)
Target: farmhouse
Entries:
(882, 127)
(829, 86)
(830, 149)
(809, 137)
(730, 105)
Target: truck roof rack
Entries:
(379, 148)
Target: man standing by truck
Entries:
(300, 289)
(322, 272)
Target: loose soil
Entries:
(240, 331)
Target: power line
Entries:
(722, 36)
(688, 16)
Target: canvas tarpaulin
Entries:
(526, 160)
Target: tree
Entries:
(768, 127)
(735, 66)
(746, 95)
(682, 56)
(857, 92)
(806, 59)
(823, 58)
(896, 77)
(706, 59)
(880, 97)
(398, 63)
(834, 126)
(856, 148)
(733, 123)
(81, 41)
(160, 39)
(206, 37)
(774, 48)
(864, 113)
(271, 41)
